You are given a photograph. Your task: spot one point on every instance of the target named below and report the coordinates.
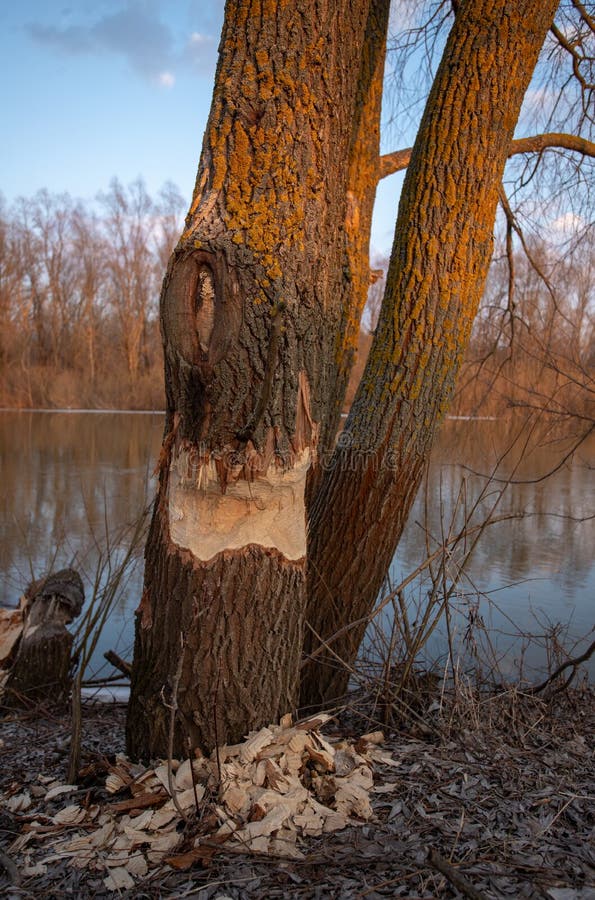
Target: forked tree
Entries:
(266, 539)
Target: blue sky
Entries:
(93, 89)
(102, 88)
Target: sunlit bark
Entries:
(255, 338)
(439, 262)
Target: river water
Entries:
(71, 481)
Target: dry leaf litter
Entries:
(274, 816)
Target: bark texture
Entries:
(439, 262)
(363, 176)
(253, 327)
(39, 663)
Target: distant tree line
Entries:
(79, 291)
(533, 342)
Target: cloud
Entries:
(134, 32)
(568, 223)
(200, 50)
(72, 39)
(166, 79)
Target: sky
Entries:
(99, 88)
(93, 89)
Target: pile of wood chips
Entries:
(261, 796)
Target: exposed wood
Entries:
(252, 321)
(11, 628)
(269, 510)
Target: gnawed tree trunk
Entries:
(38, 661)
(439, 262)
(253, 328)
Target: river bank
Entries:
(489, 799)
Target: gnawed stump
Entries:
(36, 651)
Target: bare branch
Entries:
(577, 58)
(589, 20)
(449, 871)
(554, 140)
(574, 663)
(510, 229)
(394, 162)
(400, 159)
(513, 225)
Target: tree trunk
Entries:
(38, 666)
(439, 262)
(251, 322)
(362, 180)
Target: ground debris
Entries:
(507, 811)
(259, 796)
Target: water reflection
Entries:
(529, 572)
(69, 478)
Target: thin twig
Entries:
(459, 881)
(574, 662)
(173, 707)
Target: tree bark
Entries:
(251, 315)
(363, 176)
(439, 262)
(39, 664)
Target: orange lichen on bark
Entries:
(263, 145)
(362, 180)
(449, 202)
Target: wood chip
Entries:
(119, 880)
(183, 778)
(237, 799)
(373, 737)
(100, 839)
(251, 748)
(320, 751)
(70, 815)
(275, 778)
(59, 790)
(18, 802)
(163, 817)
(161, 846)
(353, 800)
(187, 799)
(161, 775)
(137, 865)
